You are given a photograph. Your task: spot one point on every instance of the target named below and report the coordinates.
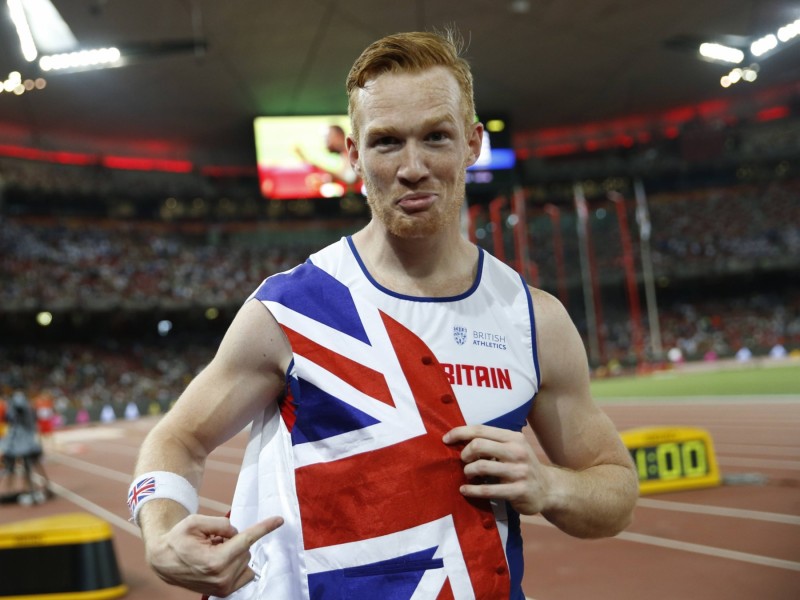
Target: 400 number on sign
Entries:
(672, 458)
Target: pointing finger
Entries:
(242, 541)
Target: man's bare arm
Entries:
(245, 377)
(593, 486)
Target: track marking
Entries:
(222, 507)
(760, 449)
(718, 511)
(652, 540)
(92, 468)
(89, 434)
(740, 461)
(124, 445)
(679, 400)
(228, 467)
(710, 551)
(126, 478)
(93, 508)
(213, 464)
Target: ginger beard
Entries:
(417, 225)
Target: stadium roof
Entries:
(205, 68)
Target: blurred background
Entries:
(159, 159)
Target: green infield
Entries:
(755, 381)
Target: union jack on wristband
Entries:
(156, 485)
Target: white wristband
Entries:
(161, 484)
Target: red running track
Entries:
(737, 541)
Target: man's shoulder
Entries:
(547, 305)
(281, 285)
(503, 280)
(330, 254)
(299, 276)
(311, 279)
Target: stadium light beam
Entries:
(97, 58)
(50, 32)
(763, 45)
(721, 53)
(17, 12)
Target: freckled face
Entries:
(413, 149)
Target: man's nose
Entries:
(414, 165)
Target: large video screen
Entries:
(497, 160)
(304, 157)
(493, 158)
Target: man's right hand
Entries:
(207, 554)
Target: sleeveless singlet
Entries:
(352, 457)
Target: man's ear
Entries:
(353, 155)
(475, 142)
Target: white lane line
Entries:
(740, 461)
(224, 466)
(87, 434)
(67, 459)
(719, 511)
(652, 540)
(761, 449)
(92, 468)
(649, 401)
(771, 426)
(222, 508)
(93, 508)
(125, 478)
(129, 450)
(710, 551)
(645, 502)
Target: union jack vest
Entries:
(352, 456)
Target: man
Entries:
(22, 444)
(387, 381)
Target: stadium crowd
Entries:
(728, 229)
(72, 262)
(79, 380)
(64, 264)
(694, 233)
(54, 265)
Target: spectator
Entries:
(22, 445)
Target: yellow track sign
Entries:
(670, 459)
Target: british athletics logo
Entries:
(381, 513)
(460, 334)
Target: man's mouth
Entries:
(417, 202)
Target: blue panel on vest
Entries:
(394, 579)
(321, 415)
(514, 553)
(514, 420)
(309, 290)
